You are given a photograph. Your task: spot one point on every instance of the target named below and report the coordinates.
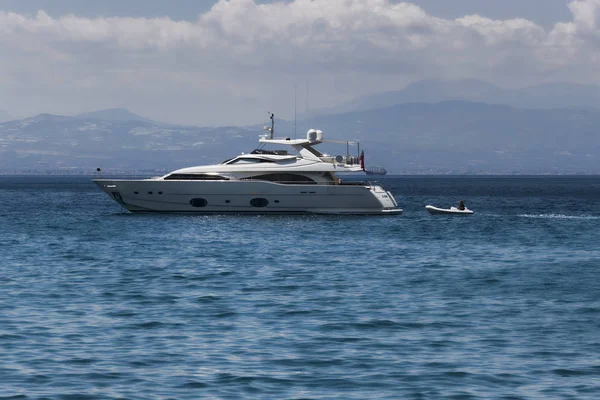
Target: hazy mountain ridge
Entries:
(451, 136)
(543, 96)
(464, 136)
(114, 115)
(60, 142)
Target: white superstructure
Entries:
(263, 182)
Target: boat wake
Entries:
(559, 216)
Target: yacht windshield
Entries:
(249, 160)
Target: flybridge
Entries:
(313, 136)
(290, 142)
(306, 150)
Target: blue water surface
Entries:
(97, 303)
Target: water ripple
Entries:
(100, 304)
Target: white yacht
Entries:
(262, 182)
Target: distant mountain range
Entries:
(84, 143)
(461, 137)
(552, 95)
(454, 136)
(113, 115)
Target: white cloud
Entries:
(241, 59)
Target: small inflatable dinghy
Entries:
(451, 210)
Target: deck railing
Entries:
(347, 160)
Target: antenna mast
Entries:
(306, 116)
(272, 124)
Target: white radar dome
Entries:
(319, 135)
(311, 135)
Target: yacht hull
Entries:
(240, 197)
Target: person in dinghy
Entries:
(460, 210)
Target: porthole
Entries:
(136, 192)
(276, 201)
(259, 202)
(227, 201)
(160, 192)
(198, 202)
(149, 192)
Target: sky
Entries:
(230, 62)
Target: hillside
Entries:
(446, 137)
(544, 96)
(459, 136)
(51, 142)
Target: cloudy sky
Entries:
(229, 62)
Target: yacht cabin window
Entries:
(281, 178)
(195, 177)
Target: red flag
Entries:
(362, 160)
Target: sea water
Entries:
(98, 303)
